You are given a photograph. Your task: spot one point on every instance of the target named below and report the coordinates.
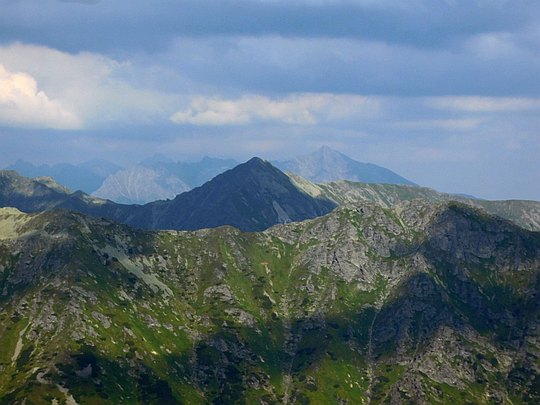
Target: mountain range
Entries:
(419, 303)
(293, 293)
(86, 177)
(161, 178)
(252, 196)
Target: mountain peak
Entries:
(251, 196)
(256, 161)
(252, 166)
(325, 149)
(327, 165)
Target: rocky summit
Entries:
(419, 303)
(252, 196)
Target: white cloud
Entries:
(485, 104)
(296, 109)
(95, 87)
(23, 104)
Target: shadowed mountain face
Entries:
(33, 195)
(252, 196)
(327, 165)
(419, 303)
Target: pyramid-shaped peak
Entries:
(255, 168)
(256, 161)
(326, 152)
(327, 164)
(326, 149)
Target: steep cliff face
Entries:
(421, 303)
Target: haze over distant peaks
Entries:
(326, 164)
(160, 178)
(140, 184)
(87, 176)
(252, 196)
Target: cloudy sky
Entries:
(444, 92)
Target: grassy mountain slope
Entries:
(420, 303)
(524, 213)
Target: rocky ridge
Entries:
(419, 303)
(522, 212)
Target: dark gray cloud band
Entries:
(115, 25)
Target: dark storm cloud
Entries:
(110, 26)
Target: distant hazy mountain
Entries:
(197, 173)
(159, 178)
(252, 196)
(86, 177)
(326, 165)
(140, 184)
